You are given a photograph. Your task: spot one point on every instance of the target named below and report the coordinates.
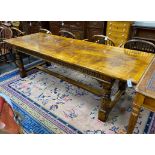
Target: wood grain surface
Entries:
(115, 62)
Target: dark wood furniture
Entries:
(16, 32)
(6, 33)
(143, 32)
(1, 29)
(101, 39)
(24, 26)
(67, 34)
(6, 23)
(54, 27)
(145, 95)
(45, 25)
(75, 27)
(5, 50)
(15, 24)
(95, 28)
(81, 29)
(30, 27)
(45, 31)
(34, 27)
(104, 63)
(140, 45)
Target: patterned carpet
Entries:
(51, 105)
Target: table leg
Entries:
(105, 106)
(122, 87)
(137, 104)
(20, 65)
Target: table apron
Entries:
(94, 74)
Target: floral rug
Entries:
(50, 105)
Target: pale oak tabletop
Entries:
(115, 62)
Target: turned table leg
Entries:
(20, 65)
(105, 106)
(137, 104)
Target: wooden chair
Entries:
(16, 32)
(15, 24)
(1, 29)
(101, 39)
(140, 45)
(5, 33)
(6, 23)
(45, 31)
(66, 34)
(4, 51)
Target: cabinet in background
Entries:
(30, 27)
(81, 29)
(118, 31)
(143, 32)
